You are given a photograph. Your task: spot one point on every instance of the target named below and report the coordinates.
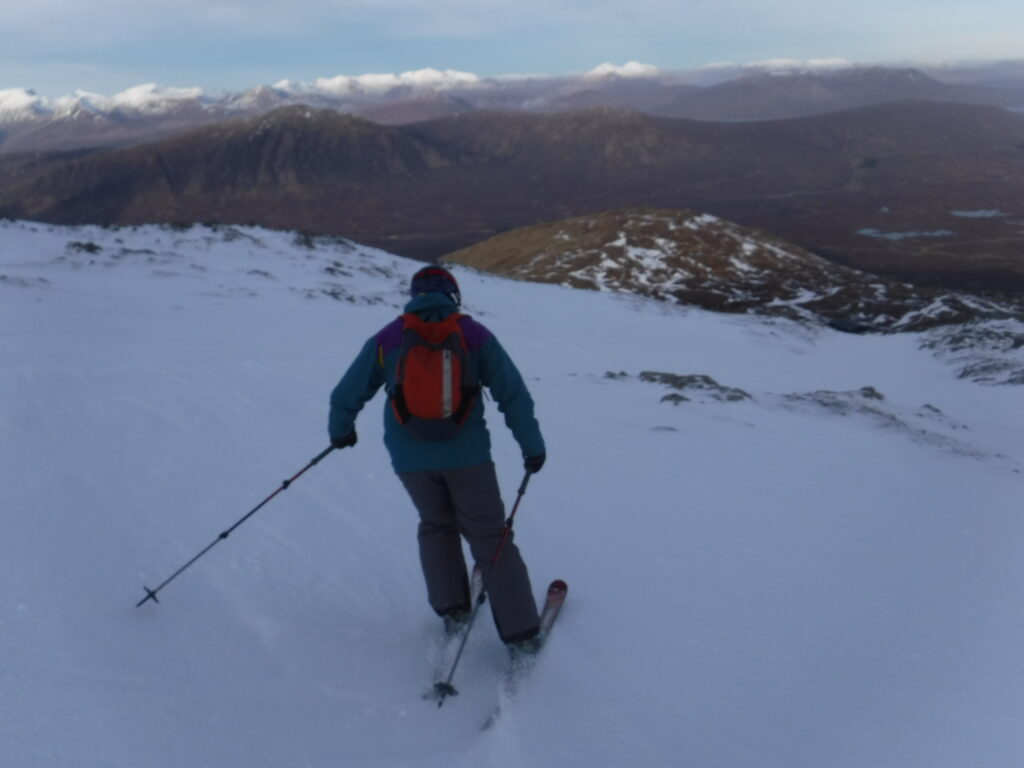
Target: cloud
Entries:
(380, 83)
(786, 64)
(111, 44)
(631, 69)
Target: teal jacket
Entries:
(375, 365)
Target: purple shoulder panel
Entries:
(389, 337)
(475, 334)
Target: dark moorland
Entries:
(924, 191)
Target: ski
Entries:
(557, 592)
(521, 664)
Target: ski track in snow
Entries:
(809, 577)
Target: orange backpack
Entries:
(435, 385)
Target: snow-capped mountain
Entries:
(786, 546)
(20, 104)
(30, 122)
(17, 104)
(141, 101)
(763, 90)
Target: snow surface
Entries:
(808, 577)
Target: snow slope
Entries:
(810, 576)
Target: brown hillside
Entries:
(427, 189)
(703, 261)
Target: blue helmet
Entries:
(435, 279)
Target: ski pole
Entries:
(152, 593)
(445, 689)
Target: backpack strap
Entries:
(435, 333)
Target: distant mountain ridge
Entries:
(767, 95)
(921, 191)
(31, 123)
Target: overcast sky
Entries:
(105, 46)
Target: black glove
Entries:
(346, 441)
(534, 463)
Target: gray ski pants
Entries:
(467, 502)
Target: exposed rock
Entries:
(842, 403)
(675, 398)
(986, 351)
(694, 383)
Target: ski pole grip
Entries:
(526, 480)
(321, 455)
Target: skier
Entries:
(444, 459)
